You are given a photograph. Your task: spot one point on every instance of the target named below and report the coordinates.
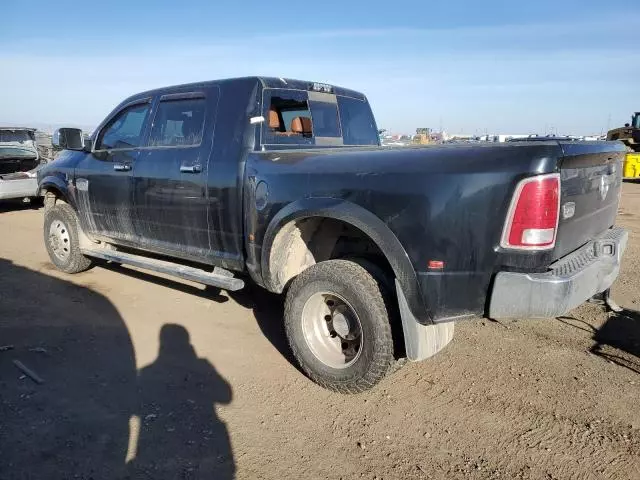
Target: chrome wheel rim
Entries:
(332, 330)
(59, 240)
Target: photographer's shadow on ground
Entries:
(95, 416)
(179, 432)
(621, 331)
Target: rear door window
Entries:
(178, 123)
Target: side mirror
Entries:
(68, 139)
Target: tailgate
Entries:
(591, 182)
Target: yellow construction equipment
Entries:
(420, 139)
(631, 167)
(630, 136)
(422, 136)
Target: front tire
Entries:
(337, 323)
(62, 240)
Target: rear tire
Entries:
(61, 239)
(337, 324)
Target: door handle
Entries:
(190, 168)
(121, 167)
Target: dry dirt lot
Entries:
(148, 377)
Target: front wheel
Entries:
(62, 240)
(337, 323)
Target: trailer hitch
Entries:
(605, 299)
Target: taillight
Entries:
(532, 219)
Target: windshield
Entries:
(20, 136)
(635, 120)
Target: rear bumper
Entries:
(570, 281)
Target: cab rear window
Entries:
(358, 124)
(325, 119)
(316, 118)
(288, 118)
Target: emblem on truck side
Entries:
(568, 210)
(82, 184)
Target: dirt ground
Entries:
(148, 377)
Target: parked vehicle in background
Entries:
(18, 149)
(378, 250)
(19, 161)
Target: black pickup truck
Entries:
(379, 250)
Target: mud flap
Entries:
(422, 341)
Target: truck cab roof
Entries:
(264, 82)
(279, 113)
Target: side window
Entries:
(358, 124)
(125, 129)
(288, 118)
(178, 123)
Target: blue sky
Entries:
(569, 66)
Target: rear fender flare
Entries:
(365, 221)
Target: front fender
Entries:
(55, 183)
(365, 221)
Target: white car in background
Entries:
(19, 162)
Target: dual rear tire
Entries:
(337, 320)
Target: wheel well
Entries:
(52, 196)
(308, 241)
(303, 243)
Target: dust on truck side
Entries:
(378, 251)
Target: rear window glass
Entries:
(358, 124)
(16, 136)
(294, 117)
(178, 123)
(325, 119)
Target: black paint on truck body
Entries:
(446, 203)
